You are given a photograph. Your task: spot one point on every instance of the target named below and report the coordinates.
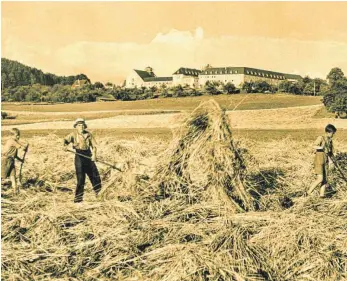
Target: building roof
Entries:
(263, 73)
(293, 76)
(80, 83)
(188, 71)
(157, 79)
(144, 74)
(250, 71)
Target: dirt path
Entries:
(279, 118)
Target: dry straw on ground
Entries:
(200, 209)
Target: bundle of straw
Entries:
(203, 162)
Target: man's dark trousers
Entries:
(85, 166)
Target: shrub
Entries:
(213, 88)
(335, 98)
(336, 102)
(230, 88)
(257, 87)
(4, 115)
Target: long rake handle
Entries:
(21, 165)
(339, 169)
(336, 164)
(105, 163)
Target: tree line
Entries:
(23, 83)
(14, 74)
(91, 92)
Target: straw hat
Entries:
(80, 121)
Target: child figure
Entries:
(323, 159)
(9, 154)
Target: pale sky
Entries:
(107, 40)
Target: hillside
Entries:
(15, 74)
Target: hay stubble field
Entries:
(218, 198)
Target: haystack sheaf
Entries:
(204, 163)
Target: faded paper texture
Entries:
(174, 141)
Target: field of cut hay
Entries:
(204, 205)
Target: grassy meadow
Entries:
(228, 102)
(39, 113)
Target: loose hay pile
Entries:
(201, 227)
(338, 179)
(203, 162)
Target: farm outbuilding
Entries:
(79, 83)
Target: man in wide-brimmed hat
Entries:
(84, 144)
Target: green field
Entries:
(229, 102)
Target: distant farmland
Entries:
(229, 102)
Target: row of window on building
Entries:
(274, 76)
(265, 74)
(189, 72)
(156, 83)
(221, 72)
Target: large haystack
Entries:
(203, 162)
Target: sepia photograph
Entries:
(173, 141)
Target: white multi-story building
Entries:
(198, 78)
(146, 78)
(239, 75)
(186, 76)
